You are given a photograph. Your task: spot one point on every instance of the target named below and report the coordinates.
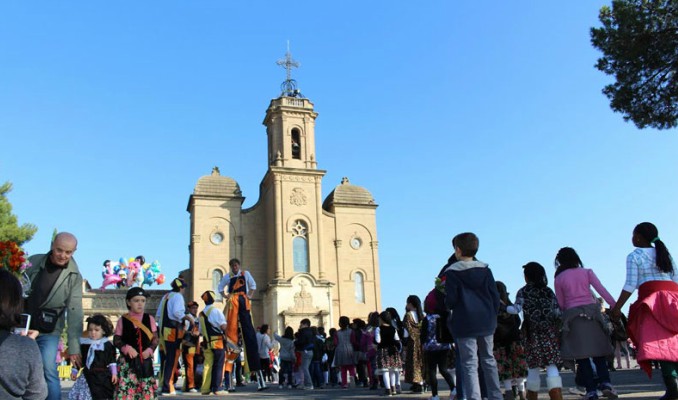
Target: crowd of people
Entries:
(467, 330)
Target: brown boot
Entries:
(556, 394)
(532, 395)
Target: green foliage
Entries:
(9, 227)
(639, 42)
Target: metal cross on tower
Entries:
(289, 87)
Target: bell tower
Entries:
(291, 195)
(290, 124)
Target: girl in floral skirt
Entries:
(540, 330)
(136, 338)
(508, 351)
(389, 362)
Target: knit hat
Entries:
(136, 291)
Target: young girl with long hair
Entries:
(343, 353)
(585, 333)
(287, 357)
(540, 331)
(389, 346)
(413, 357)
(508, 351)
(652, 324)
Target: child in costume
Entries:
(389, 346)
(540, 330)
(508, 351)
(100, 373)
(136, 337)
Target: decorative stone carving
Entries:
(303, 300)
(298, 197)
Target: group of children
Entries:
(472, 324)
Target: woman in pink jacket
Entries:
(585, 334)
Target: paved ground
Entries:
(630, 383)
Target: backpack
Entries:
(435, 300)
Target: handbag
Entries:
(142, 369)
(46, 319)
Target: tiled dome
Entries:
(347, 194)
(217, 185)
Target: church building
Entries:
(310, 257)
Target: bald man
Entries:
(55, 298)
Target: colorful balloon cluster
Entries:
(131, 272)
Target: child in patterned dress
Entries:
(389, 346)
(508, 351)
(136, 337)
(540, 330)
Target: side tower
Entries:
(216, 231)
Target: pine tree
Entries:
(9, 227)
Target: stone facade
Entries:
(311, 258)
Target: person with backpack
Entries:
(508, 351)
(436, 351)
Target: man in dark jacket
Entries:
(472, 297)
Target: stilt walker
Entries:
(240, 287)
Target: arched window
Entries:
(296, 144)
(216, 278)
(359, 287)
(300, 246)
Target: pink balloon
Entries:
(111, 279)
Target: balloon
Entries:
(127, 272)
(110, 279)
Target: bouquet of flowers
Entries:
(13, 258)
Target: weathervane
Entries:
(289, 87)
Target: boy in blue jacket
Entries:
(471, 295)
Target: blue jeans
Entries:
(472, 350)
(317, 374)
(306, 358)
(587, 375)
(48, 345)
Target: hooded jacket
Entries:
(471, 294)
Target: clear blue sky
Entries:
(457, 116)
